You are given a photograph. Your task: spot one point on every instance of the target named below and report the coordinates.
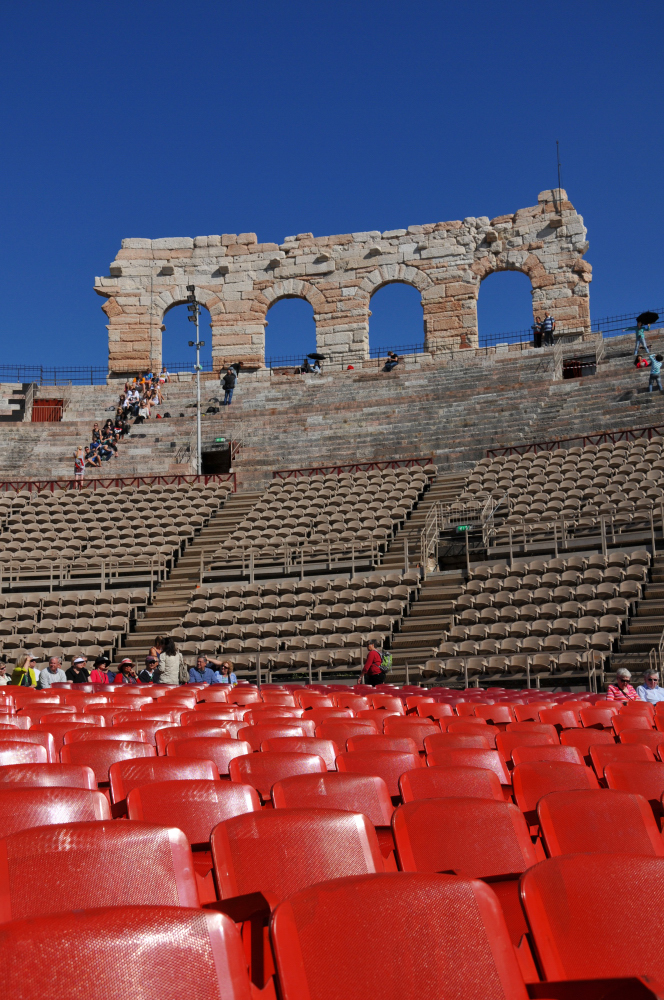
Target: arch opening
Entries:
(397, 321)
(177, 331)
(290, 333)
(505, 308)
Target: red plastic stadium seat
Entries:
(506, 742)
(327, 749)
(22, 753)
(150, 946)
(497, 714)
(533, 727)
(312, 699)
(413, 727)
(220, 751)
(30, 736)
(386, 764)
(321, 936)
(642, 778)
(356, 702)
(434, 710)
(101, 754)
(271, 713)
(618, 753)
(367, 744)
(534, 779)
(127, 732)
(255, 735)
(282, 698)
(459, 740)
(634, 720)
(217, 695)
(357, 793)
(584, 739)
(26, 808)
(318, 715)
(433, 835)
(228, 727)
(261, 770)
(600, 718)
(210, 713)
(646, 737)
(489, 759)
(194, 806)
(586, 913)
(566, 755)
(164, 736)
(592, 821)
(473, 727)
(280, 851)
(561, 718)
(450, 782)
(94, 864)
(138, 718)
(128, 774)
(341, 730)
(530, 712)
(394, 706)
(47, 775)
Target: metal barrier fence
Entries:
(601, 437)
(334, 470)
(95, 483)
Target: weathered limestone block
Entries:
(239, 279)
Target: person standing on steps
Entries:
(172, 668)
(228, 382)
(537, 332)
(548, 327)
(372, 669)
(655, 372)
(640, 334)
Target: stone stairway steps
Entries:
(421, 634)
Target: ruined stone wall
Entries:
(237, 279)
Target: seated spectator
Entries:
(100, 674)
(392, 361)
(650, 689)
(53, 674)
(4, 676)
(24, 673)
(622, 690)
(96, 433)
(78, 672)
(305, 367)
(149, 674)
(226, 675)
(203, 673)
(165, 375)
(126, 672)
(92, 456)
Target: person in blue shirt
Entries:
(655, 370)
(203, 673)
(650, 689)
(640, 333)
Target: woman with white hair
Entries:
(650, 689)
(622, 690)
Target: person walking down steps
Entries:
(655, 372)
(640, 335)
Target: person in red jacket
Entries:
(372, 669)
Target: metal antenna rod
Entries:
(560, 178)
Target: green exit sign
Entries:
(219, 440)
(463, 527)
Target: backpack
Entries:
(386, 662)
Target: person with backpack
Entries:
(655, 372)
(372, 671)
(228, 382)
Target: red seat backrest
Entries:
(327, 749)
(47, 775)
(434, 710)
(633, 720)
(22, 753)
(94, 864)
(261, 770)
(319, 935)
(358, 793)
(99, 755)
(283, 850)
(255, 735)
(394, 706)
(586, 912)
(641, 778)
(88, 733)
(591, 821)
(128, 774)
(600, 717)
(30, 736)
(459, 740)
(473, 727)
(219, 750)
(164, 736)
(195, 806)
(531, 780)
(490, 759)
(386, 764)
(217, 695)
(533, 727)
(411, 726)
(495, 713)
(450, 782)
(26, 808)
(617, 753)
(404, 744)
(646, 737)
(566, 755)
(341, 730)
(506, 742)
(432, 835)
(562, 718)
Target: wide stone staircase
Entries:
(645, 627)
(170, 603)
(426, 623)
(444, 489)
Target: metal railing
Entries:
(333, 470)
(601, 437)
(102, 572)
(95, 483)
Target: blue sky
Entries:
(163, 119)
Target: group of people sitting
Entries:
(103, 445)
(164, 664)
(141, 395)
(652, 361)
(650, 690)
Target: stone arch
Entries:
(409, 277)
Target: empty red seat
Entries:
(473, 727)
(321, 934)
(561, 718)
(533, 727)
(618, 753)
(194, 806)
(212, 713)
(269, 713)
(318, 715)
(600, 718)
(127, 732)
(127, 774)
(530, 712)
(450, 782)
(641, 778)
(567, 755)
(534, 779)
(394, 706)
(22, 753)
(366, 744)
(99, 755)
(356, 793)
(634, 720)
(583, 739)
(154, 715)
(282, 698)
(255, 735)
(312, 699)
(586, 913)
(143, 948)
(596, 821)
(30, 736)
(280, 851)
(47, 775)
(434, 835)
(434, 710)
(416, 729)
(327, 749)
(94, 864)
(497, 714)
(218, 695)
(647, 737)
(219, 750)
(475, 741)
(386, 764)
(261, 770)
(341, 730)
(26, 808)
(164, 736)
(489, 759)
(377, 715)
(507, 741)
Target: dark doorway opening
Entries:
(216, 460)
